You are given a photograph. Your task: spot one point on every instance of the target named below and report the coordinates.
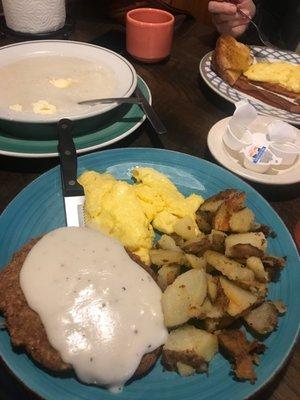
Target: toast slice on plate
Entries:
(230, 59)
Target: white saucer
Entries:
(231, 160)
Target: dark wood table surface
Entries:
(188, 109)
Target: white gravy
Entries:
(100, 309)
(58, 80)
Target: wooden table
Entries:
(189, 109)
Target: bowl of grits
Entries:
(43, 81)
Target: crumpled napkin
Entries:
(277, 133)
(243, 116)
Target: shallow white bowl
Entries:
(123, 70)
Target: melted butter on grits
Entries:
(59, 81)
(16, 107)
(62, 83)
(43, 107)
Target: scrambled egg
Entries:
(130, 212)
(16, 107)
(285, 74)
(162, 202)
(43, 107)
(62, 83)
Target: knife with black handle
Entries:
(73, 192)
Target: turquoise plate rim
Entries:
(212, 175)
(112, 133)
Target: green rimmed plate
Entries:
(126, 119)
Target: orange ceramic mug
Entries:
(149, 34)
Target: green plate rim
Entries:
(80, 141)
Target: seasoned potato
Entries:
(239, 299)
(243, 251)
(183, 298)
(177, 239)
(187, 228)
(197, 246)
(254, 239)
(184, 369)
(212, 287)
(230, 268)
(162, 257)
(256, 265)
(263, 319)
(215, 324)
(217, 239)
(214, 202)
(209, 310)
(242, 352)
(242, 221)
(223, 215)
(258, 288)
(203, 222)
(221, 301)
(271, 262)
(166, 242)
(195, 262)
(280, 306)
(266, 230)
(190, 346)
(227, 281)
(167, 275)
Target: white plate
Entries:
(123, 70)
(233, 95)
(231, 161)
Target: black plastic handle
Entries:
(68, 159)
(153, 118)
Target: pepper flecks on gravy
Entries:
(100, 309)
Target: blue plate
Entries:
(39, 208)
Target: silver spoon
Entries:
(110, 100)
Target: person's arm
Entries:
(226, 18)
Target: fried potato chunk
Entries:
(256, 265)
(263, 319)
(166, 242)
(197, 246)
(214, 202)
(233, 204)
(239, 299)
(230, 268)
(195, 262)
(162, 257)
(189, 346)
(242, 221)
(167, 275)
(217, 239)
(244, 353)
(244, 245)
(187, 228)
(182, 300)
(212, 287)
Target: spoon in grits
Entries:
(109, 100)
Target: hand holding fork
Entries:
(233, 17)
